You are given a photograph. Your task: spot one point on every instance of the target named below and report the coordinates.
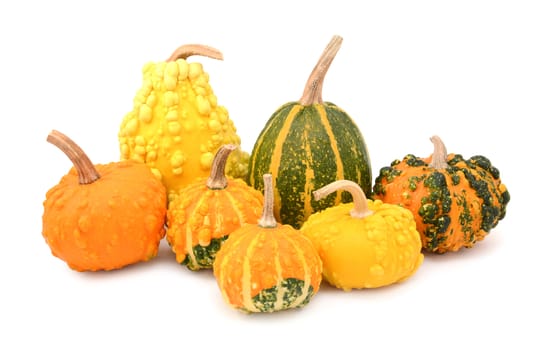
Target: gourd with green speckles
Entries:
(267, 267)
(306, 145)
(176, 124)
(364, 244)
(456, 202)
(205, 212)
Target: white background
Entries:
(469, 71)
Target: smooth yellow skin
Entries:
(176, 125)
(377, 250)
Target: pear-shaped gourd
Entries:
(176, 125)
(364, 244)
(306, 145)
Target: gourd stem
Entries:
(313, 87)
(439, 158)
(185, 51)
(360, 201)
(217, 179)
(267, 219)
(85, 169)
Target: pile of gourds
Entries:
(300, 208)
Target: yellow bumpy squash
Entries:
(176, 125)
(363, 244)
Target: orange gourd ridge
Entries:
(204, 213)
(366, 243)
(268, 266)
(104, 216)
(455, 201)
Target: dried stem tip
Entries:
(217, 179)
(195, 49)
(85, 169)
(439, 158)
(360, 201)
(313, 88)
(268, 219)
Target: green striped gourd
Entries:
(306, 145)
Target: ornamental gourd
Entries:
(104, 216)
(455, 201)
(364, 244)
(306, 145)
(267, 267)
(176, 125)
(204, 213)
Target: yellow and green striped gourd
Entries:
(306, 145)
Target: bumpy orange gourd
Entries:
(204, 213)
(103, 217)
(267, 267)
(455, 201)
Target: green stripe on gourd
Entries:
(266, 300)
(306, 145)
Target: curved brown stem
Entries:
(185, 51)
(217, 179)
(360, 201)
(313, 88)
(439, 158)
(85, 169)
(267, 219)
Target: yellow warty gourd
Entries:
(176, 125)
(364, 244)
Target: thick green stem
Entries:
(360, 201)
(85, 169)
(268, 219)
(217, 179)
(185, 51)
(313, 88)
(439, 158)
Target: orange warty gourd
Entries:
(103, 217)
(455, 201)
(204, 213)
(267, 267)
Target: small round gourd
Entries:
(176, 125)
(205, 212)
(268, 266)
(307, 144)
(104, 216)
(364, 244)
(456, 202)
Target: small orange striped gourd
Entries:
(268, 266)
(204, 213)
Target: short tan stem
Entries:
(313, 88)
(268, 219)
(195, 49)
(217, 179)
(85, 169)
(360, 201)
(439, 158)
